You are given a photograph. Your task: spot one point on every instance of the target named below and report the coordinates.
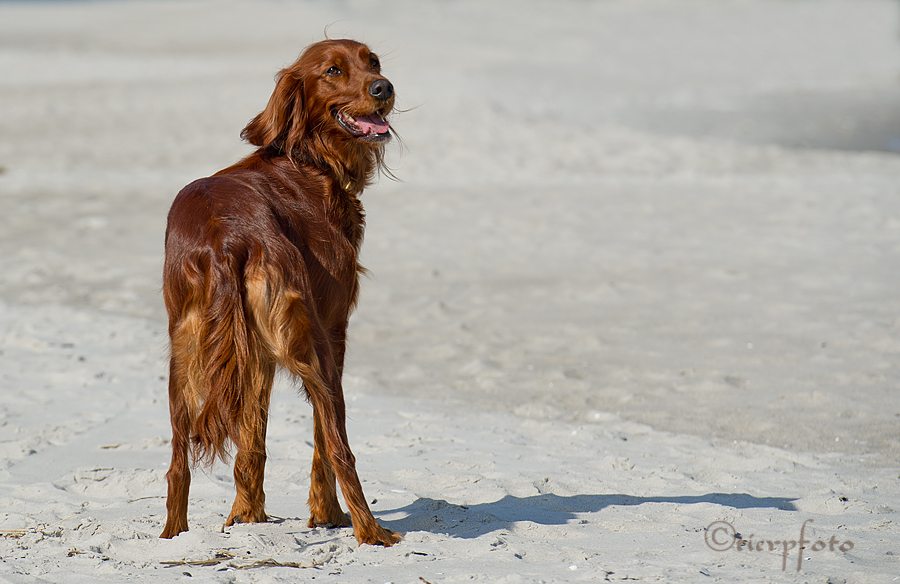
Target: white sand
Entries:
(640, 276)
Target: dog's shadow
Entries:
(470, 521)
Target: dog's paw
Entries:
(171, 530)
(245, 517)
(331, 520)
(377, 535)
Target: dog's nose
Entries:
(381, 89)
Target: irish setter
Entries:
(262, 271)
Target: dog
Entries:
(261, 271)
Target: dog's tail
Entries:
(225, 351)
(212, 350)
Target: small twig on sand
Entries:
(270, 563)
(149, 497)
(16, 533)
(225, 556)
(218, 559)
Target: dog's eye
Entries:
(373, 62)
(333, 71)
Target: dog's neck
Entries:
(352, 178)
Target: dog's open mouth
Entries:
(371, 128)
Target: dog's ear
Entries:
(283, 122)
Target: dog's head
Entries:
(332, 105)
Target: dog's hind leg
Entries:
(250, 462)
(179, 474)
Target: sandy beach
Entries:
(632, 312)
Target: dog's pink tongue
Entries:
(373, 124)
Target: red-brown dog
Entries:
(261, 271)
